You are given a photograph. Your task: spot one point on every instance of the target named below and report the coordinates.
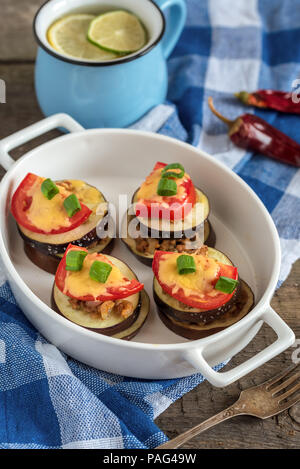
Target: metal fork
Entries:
(263, 401)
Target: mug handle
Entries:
(174, 25)
(285, 338)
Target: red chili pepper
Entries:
(253, 133)
(270, 99)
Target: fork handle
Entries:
(179, 440)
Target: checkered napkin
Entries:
(47, 399)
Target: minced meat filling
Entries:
(103, 308)
(149, 245)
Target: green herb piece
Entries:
(167, 187)
(74, 260)
(100, 271)
(186, 264)
(49, 189)
(226, 285)
(72, 205)
(166, 173)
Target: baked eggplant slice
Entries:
(160, 228)
(46, 250)
(49, 262)
(182, 312)
(194, 323)
(114, 324)
(120, 330)
(186, 314)
(193, 331)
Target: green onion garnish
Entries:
(72, 205)
(185, 264)
(226, 285)
(74, 260)
(49, 189)
(166, 173)
(100, 271)
(167, 187)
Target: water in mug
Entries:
(98, 35)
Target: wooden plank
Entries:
(16, 36)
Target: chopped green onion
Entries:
(72, 205)
(186, 264)
(49, 189)
(100, 271)
(226, 285)
(167, 187)
(166, 173)
(74, 260)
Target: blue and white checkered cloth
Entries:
(48, 400)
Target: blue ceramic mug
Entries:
(114, 93)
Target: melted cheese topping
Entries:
(201, 281)
(86, 194)
(47, 214)
(80, 284)
(148, 190)
(50, 215)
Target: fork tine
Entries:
(280, 376)
(288, 404)
(285, 383)
(288, 393)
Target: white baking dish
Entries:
(117, 161)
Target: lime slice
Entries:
(69, 37)
(117, 31)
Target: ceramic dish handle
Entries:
(33, 131)
(284, 340)
(174, 23)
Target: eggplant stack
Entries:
(199, 294)
(51, 215)
(168, 213)
(100, 293)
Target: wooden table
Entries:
(17, 53)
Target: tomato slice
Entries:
(21, 202)
(205, 301)
(167, 207)
(123, 290)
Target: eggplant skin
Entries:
(187, 314)
(211, 239)
(54, 249)
(186, 333)
(50, 262)
(192, 331)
